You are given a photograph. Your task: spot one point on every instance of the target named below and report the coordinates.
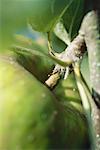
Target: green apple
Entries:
(30, 115)
(27, 109)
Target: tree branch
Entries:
(89, 34)
(71, 54)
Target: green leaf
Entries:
(32, 56)
(16, 14)
(49, 13)
(61, 33)
(68, 28)
(58, 45)
(73, 17)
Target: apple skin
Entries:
(27, 109)
(31, 117)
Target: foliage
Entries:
(33, 116)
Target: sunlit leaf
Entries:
(61, 33)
